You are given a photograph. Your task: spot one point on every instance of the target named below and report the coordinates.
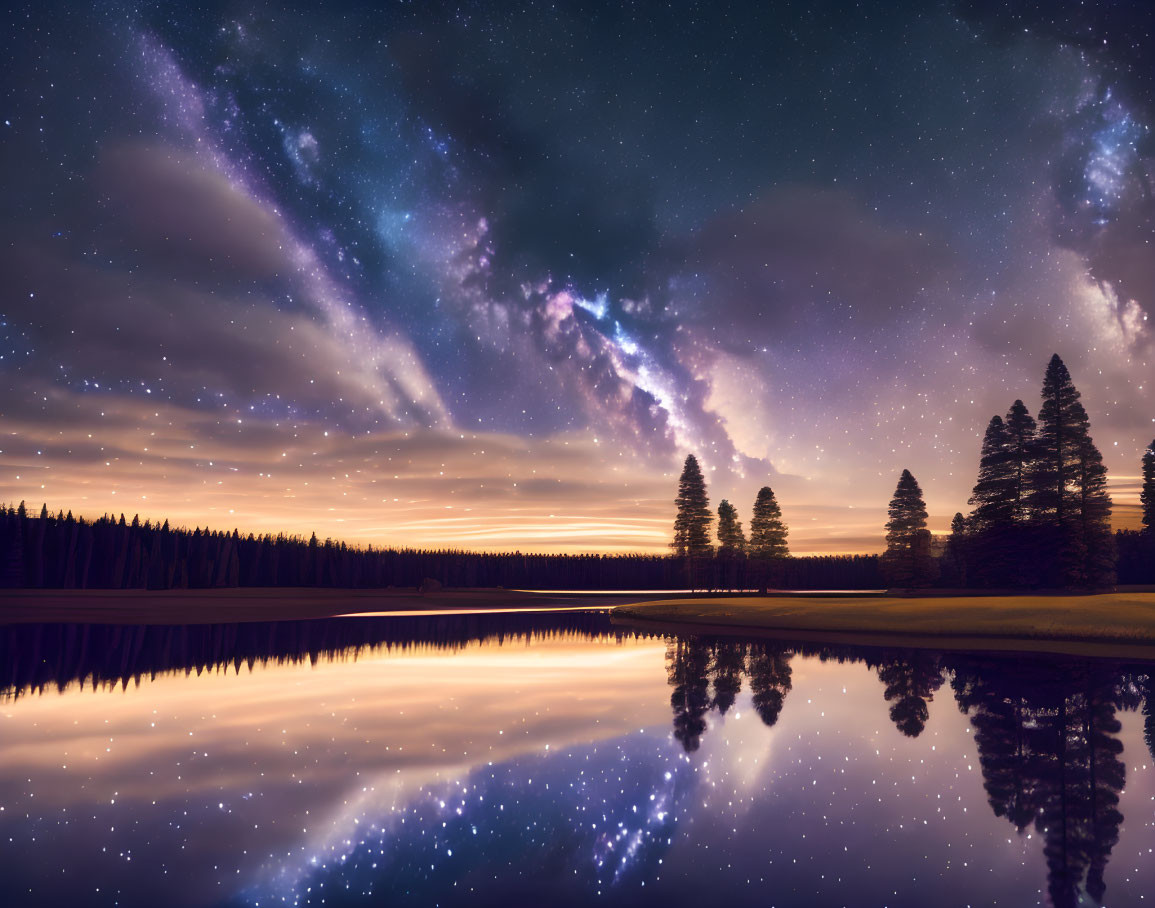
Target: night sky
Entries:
(482, 274)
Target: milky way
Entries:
(481, 274)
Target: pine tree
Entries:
(1097, 540)
(1068, 499)
(767, 530)
(954, 556)
(993, 494)
(731, 539)
(692, 523)
(767, 547)
(908, 561)
(1020, 428)
(1147, 493)
(1056, 448)
(993, 500)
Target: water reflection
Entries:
(1046, 731)
(484, 759)
(36, 657)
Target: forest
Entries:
(64, 552)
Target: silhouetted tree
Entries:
(731, 548)
(907, 561)
(953, 566)
(1068, 499)
(731, 539)
(767, 530)
(1021, 438)
(768, 533)
(1094, 528)
(993, 502)
(1020, 429)
(692, 523)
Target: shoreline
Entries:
(1105, 625)
(244, 604)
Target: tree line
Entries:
(1040, 513)
(65, 552)
(1040, 518)
(35, 658)
(760, 561)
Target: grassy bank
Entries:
(1106, 624)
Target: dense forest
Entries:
(64, 552)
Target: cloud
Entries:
(93, 453)
(175, 214)
(180, 301)
(805, 257)
(1104, 207)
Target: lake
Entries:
(556, 759)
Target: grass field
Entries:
(1104, 624)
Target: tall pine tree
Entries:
(1068, 497)
(767, 545)
(1020, 429)
(993, 500)
(908, 561)
(692, 523)
(1097, 540)
(731, 539)
(955, 556)
(767, 529)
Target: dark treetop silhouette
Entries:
(63, 552)
(908, 561)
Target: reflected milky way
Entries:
(479, 760)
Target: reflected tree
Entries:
(1049, 752)
(728, 660)
(769, 672)
(1007, 740)
(1149, 714)
(687, 666)
(910, 682)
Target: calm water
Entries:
(555, 759)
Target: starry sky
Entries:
(482, 274)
